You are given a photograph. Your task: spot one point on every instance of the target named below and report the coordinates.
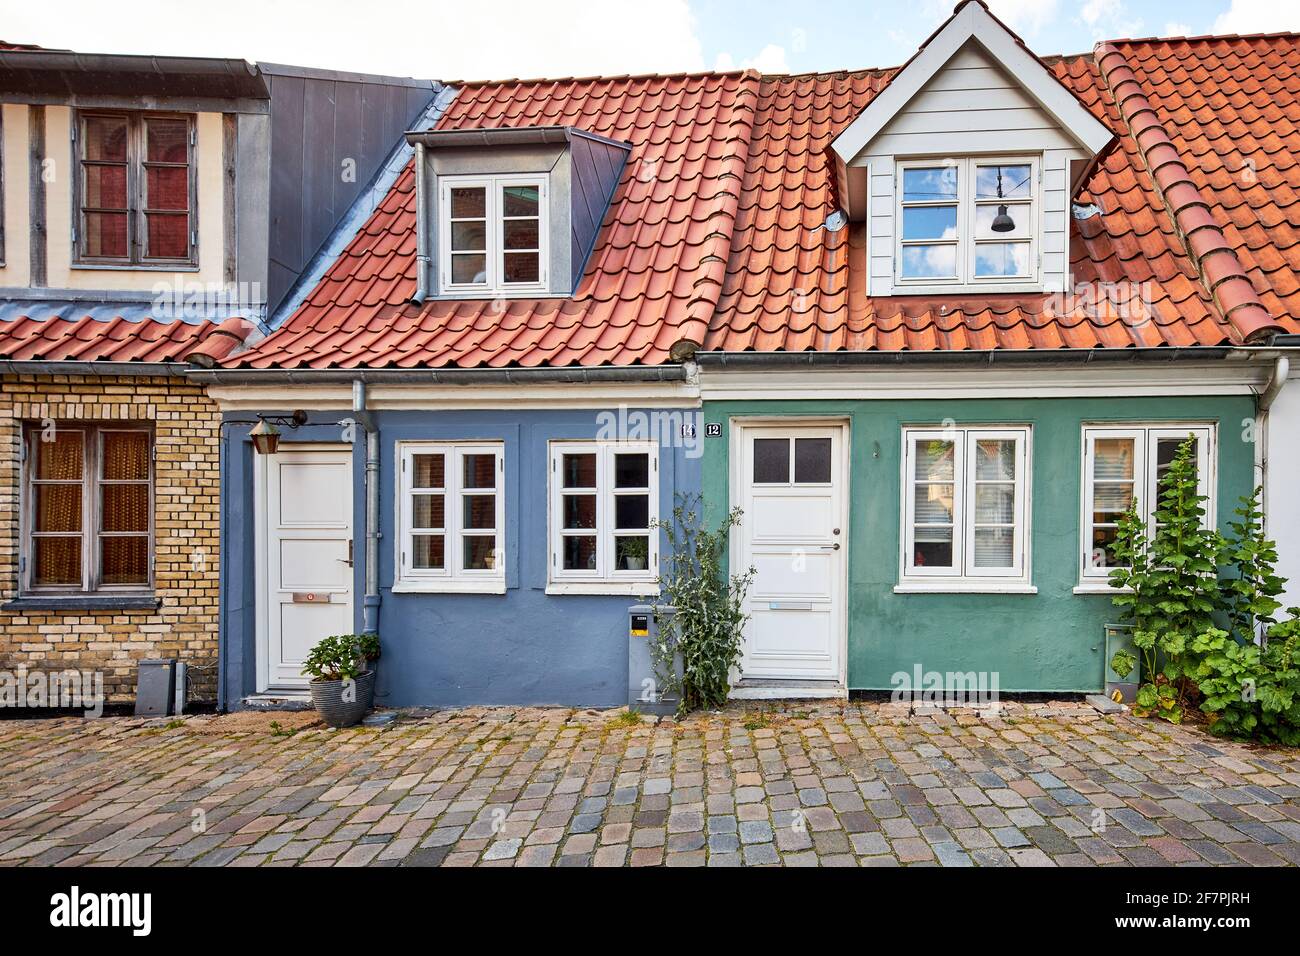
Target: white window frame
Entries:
(604, 578)
(454, 578)
(964, 576)
(966, 243)
(494, 284)
(1145, 436)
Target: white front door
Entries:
(793, 533)
(305, 571)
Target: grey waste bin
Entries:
(643, 691)
(155, 689)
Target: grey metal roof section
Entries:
(507, 136)
(134, 309)
(362, 207)
(43, 73)
(331, 134)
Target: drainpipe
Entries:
(1276, 382)
(370, 609)
(421, 228)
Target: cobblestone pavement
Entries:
(868, 784)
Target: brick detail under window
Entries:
(186, 520)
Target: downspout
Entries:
(370, 609)
(421, 228)
(1276, 382)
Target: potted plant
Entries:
(342, 682)
(634, 553)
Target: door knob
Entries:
(835, 546)
(835, 531)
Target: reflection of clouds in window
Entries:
(929, 261)
(1014, 182)
(1002, 259)
(930, 222)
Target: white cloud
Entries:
(447, 39)
(1259, 16)
(1177, 29)
(770, 59)
(1108, 20)
(1024, 16)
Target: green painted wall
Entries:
(1049, 641)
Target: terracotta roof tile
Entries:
(91, 339)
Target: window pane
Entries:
(929, 262)
(168, 188)
(1166, 451)
(579, 471)
(126, 456)
(812, 460)
(169, 236)
(469, 269)
(480, 552)
(479, 512)
(632, 511)
(1018, 213)
(1112, 458)
(933, 504)
(995, 459)
(469, 236)
(58, 508)
(1110, 500)
(1003, 182)
(428, 471)
(631, 471)
(631, 553)
(995, 504)
(933, 548)
(930, 222)
(480, 471)
(580, 553)
(125, 560)
(1002, 259)
(579, 511)
(934, 460)
(106, 234)
(994, 548)
(168, 140)
(428, 511)
(104, 187)
(522, 267)
(105, 137)
(1103, 548)
(56, 561)
(521, 234)
(771, 460)
(929, 183)
(427, 552)
(468, 202)
(125, 507)
(60, 459)
(519, 201)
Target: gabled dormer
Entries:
(510, 213)
(964, 166)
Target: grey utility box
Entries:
(1120, 637)
(643, 691)
(155, 689)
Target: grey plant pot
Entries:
(327, 696)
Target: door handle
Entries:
(348, 559)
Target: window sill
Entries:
(1100, 587)
(966, 586)
(912, 287)
(449, 587)
(629, 588)
(473, 295)
(134, 267)
(85, 602)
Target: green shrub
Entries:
(341, 657)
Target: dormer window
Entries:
(493, 235)
(969, 221)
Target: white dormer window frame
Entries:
(968, 234)
(462, 250)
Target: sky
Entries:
(499, 39)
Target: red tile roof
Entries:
(716, 234)
(90, 339)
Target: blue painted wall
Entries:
(523, 647)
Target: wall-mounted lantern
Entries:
(266, 436)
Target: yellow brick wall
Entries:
(186, 532)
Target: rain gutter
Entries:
(456, 376)
(370, 609)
